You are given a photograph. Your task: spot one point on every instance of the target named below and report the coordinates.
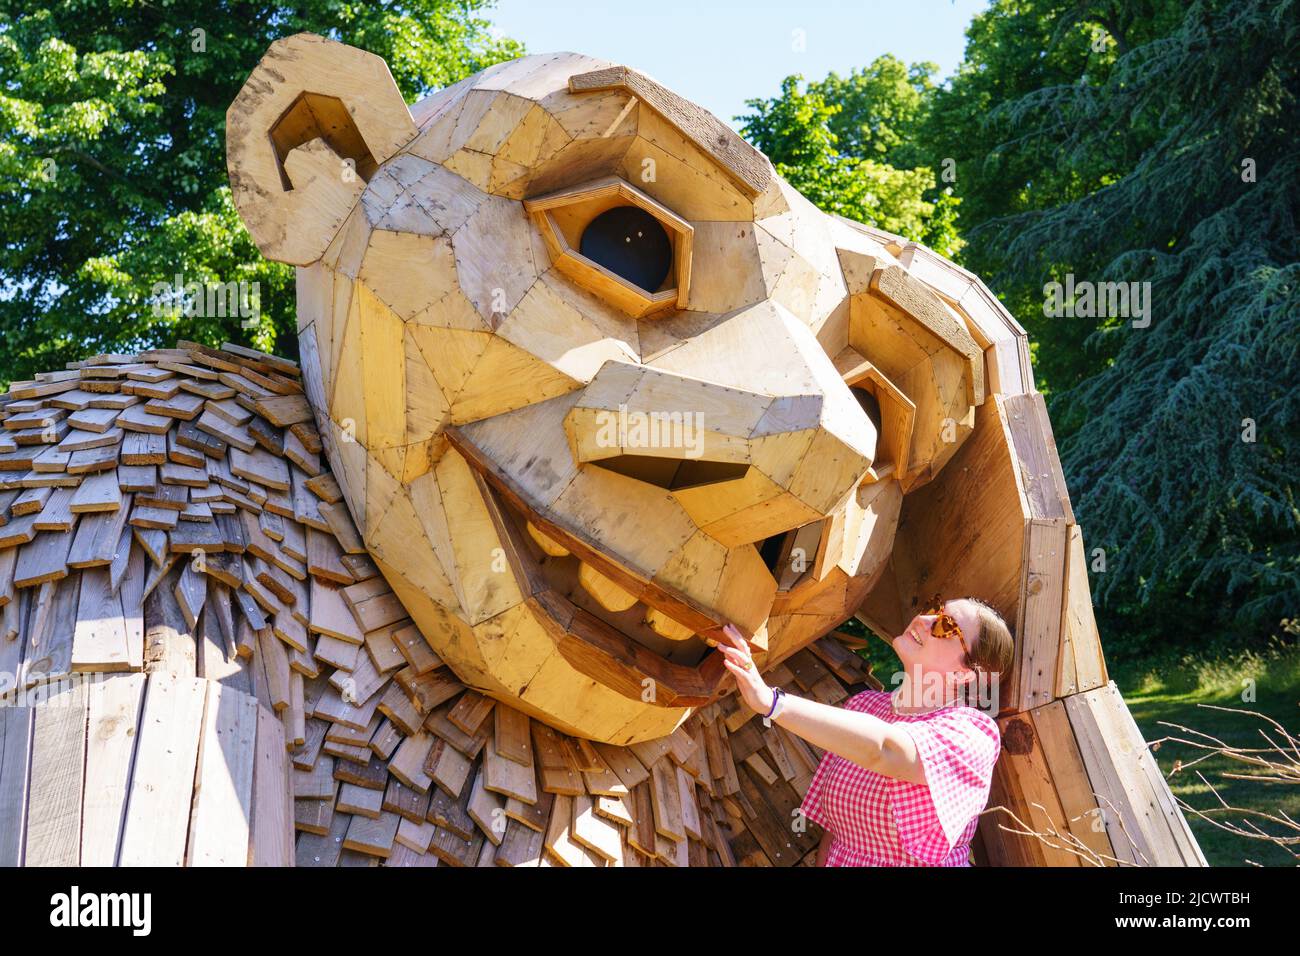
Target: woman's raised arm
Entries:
(861, 738)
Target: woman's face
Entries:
(918, 649)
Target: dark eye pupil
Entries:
(631, 243)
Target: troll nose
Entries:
(743, 465)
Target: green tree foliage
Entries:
(112, 157)
(845, 144)
(1156, 143)
(1135, 141)
(881, 107)
(1015, 51)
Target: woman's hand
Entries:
(755, 693)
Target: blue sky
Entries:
(720, 53)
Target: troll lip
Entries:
(677, 605)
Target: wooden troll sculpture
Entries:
(581, 378)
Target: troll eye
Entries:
(631, 243)
(618, 243)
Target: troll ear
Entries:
(310, 126)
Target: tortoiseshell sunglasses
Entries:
(944, 624)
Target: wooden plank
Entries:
(324, 558)
(260, 466)
(360, 800)
(158, 808)
(114, 715)
(408, 803)
(1082, 664)
(275, 659)
(690, 806)
(1148, 793)
(1038, 631)
(1026, 788)
(97, 492)
(43, 559)
(487, 809)
(408, 761)
(521, 846)
(323, 850)
(469, 711)
(503, 775)
(262, 361)
(98, 420)
(595, 832)
(330, 614)
(666, 800)
(410, 643)
(383, 656)
(284, 410)
(373, 837)
(57, 513)
(1122, 827)
(168, 643)
(131, 588)
(512, 739)
(624, 764)
(181, 405)
(558, 768)
(97, 537)
(219, 427)
(58, 775)
(313, 816)
(99, 642)
(448, 768)
(223, 790)
(190, 476)
(137, 419)
(1070, 777)
(228, 411)
(30, 500)
(53, 619)
(415, 835)
(559, 835)
(1036, 456)
(15, 759)
(191, 590)
(85, 461)
(318, 783)
(144, 448)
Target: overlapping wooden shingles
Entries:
(115, 448)
(418, 770)
(120, 522)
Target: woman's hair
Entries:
(994, 648)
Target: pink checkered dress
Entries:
(876, 820)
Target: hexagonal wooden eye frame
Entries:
(562, 216)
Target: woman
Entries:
(905, 774)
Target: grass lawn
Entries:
(1171, 691)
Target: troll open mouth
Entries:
(607, 620)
